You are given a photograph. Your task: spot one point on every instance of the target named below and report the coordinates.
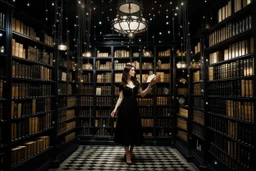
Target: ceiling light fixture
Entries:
(129, 20)
(129, 6)
(61, 46)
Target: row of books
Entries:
(31, 53)
(103, 90)
(162, 100)
(21, 70)
(145, 101)
(65, 89)
(86, 78)
(29, 126)
(163, 112)
(85, 112)
(245, 161)
(163, 122)
(230, 30)
(233, 51)
(29, 149)
(65, 76)
(66, 115)
(70, 137)
(19, 26)
(198, 116)
(239, 68)
(103, 122)
(64, 127)
(146, 112)
(237, 88)
(104, 78)
(106, 65)
(67, 102)
(243, 110)
(103, 101)
(30, 90)
(147, 122)
(86, 89)
(86, 101)
(197, 89)
(30, 107)
(103, 113)
(238, 131)
(182, 135)
(102, 132)
(182, 123)
(183, 112)
(196, 76)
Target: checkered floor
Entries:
(98, 157)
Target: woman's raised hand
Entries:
(154, 80)
(113, 113)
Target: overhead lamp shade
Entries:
(129, 6)
(181, 64)
(87, 54)
(62, 47)
(129, 24)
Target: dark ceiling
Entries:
(159, 13)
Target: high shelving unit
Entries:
(27, 91)
(222, 97)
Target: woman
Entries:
(128, 128)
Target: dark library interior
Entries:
(61, 64)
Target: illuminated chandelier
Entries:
(129, 20)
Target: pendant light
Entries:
(61, 46)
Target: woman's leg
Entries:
(131, 150)
(128, 155)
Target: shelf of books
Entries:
(231, 84)
(197, 102)
(180, 99)
(30, 85)
(67, 103)
(162, 91)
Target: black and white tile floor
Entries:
(98, 157)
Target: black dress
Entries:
(128, 126)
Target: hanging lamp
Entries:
(61, 46)
(129, 20)
(128, 6)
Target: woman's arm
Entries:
(144, 92)
(119, 101)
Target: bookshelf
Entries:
(103, 73)
(227, 102)
(197, 109)
(66, 119)
(181, 104)
(27, 61)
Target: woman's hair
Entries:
(125, 76)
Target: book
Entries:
(150, 77)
